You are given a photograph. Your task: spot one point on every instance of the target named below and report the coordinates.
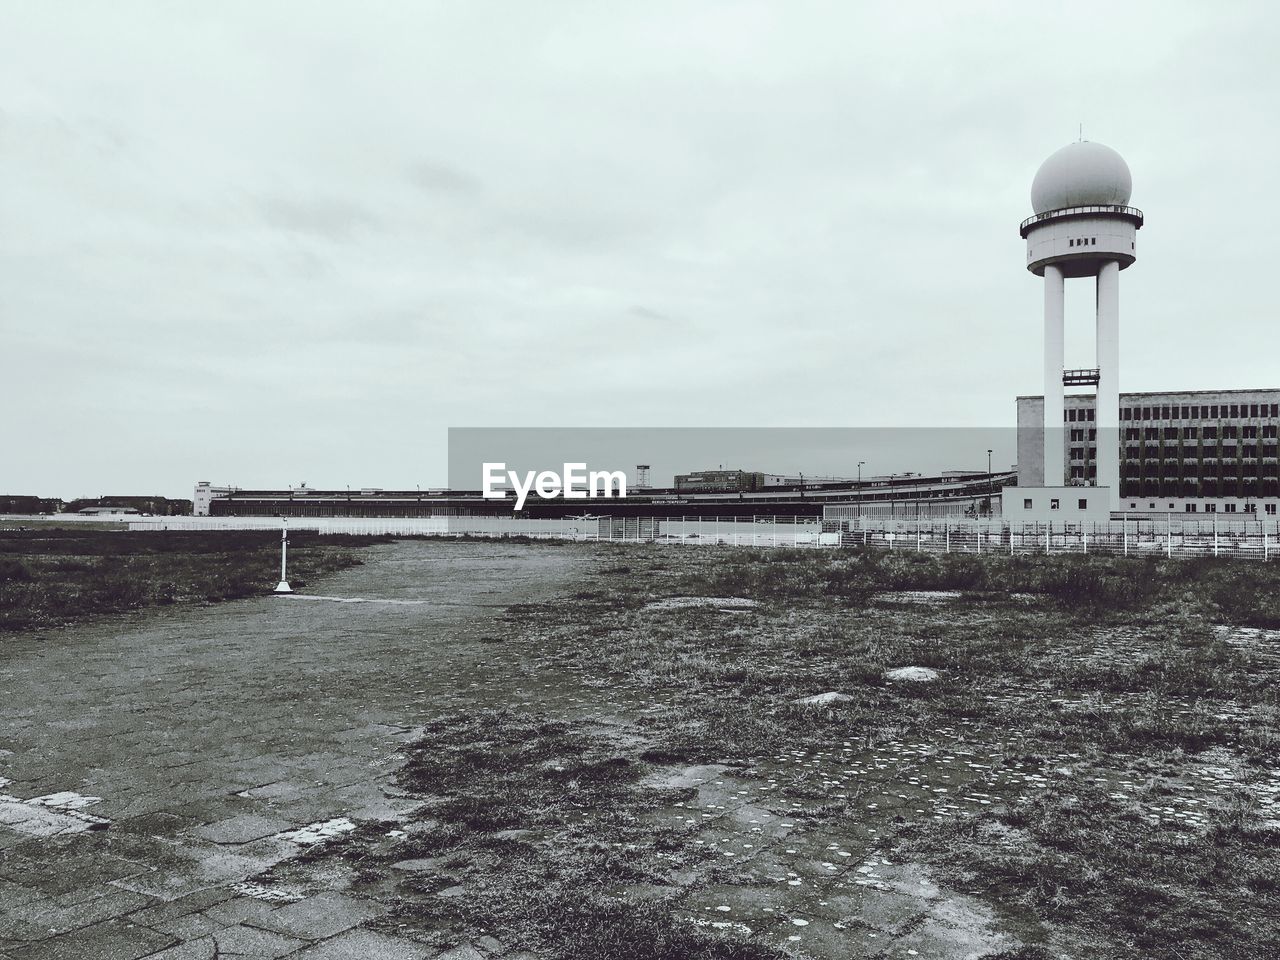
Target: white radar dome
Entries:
(1081, 175)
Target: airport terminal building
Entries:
(1193, 451)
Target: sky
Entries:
(265, 243)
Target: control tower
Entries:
(1083, 227)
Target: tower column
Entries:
(1054, 304)
(1108, 405)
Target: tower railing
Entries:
(1084, 211)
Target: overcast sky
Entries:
(263, 243)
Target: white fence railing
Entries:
(1250, 539)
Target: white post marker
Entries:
(283, 585)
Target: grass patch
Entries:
(55, 577)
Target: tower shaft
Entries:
(1107, 408)
(1054, 314)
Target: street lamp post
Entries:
(990, 485)
(859, 500)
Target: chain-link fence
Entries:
(1245, 538)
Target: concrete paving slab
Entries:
(321, 916)
(366, 945)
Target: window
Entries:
(1253, 409)
(1088, 414)
(1071, 415)
(1026, 504)
(1275, 409)
(1250, 508)
(1186, 413)
(1053, 504)
(1229, 507)
(1270, 508)
(1093, 241)
(1235, 409)
(1164, 413)
(1146, 413)
(1190, 508)
(1083, 503)
(1210, 508)
(1213, 411)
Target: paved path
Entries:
(150, 764)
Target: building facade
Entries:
(1194, 451)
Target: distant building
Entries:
(719, 481)
(205, 494)
(108, 511)
(10, 503)
(157, 506)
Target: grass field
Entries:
(703, 753)
(51, 576)
(1093, 773)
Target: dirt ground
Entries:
(523, 750)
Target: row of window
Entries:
(1188, 454)
(1268, 431)
(1212, 411)
(1207, 488)
(1056, 504)
(1269, 508)
(1085, 242)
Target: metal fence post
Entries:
(1124, 526)
(1215, 534)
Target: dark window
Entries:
(1053, 504)
(1164, 413)
(1071, 415)
(1088, 414)
(1235, 412)
(1253, 409)
(1026, 504)
(1083, 503)
(1186, 413)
